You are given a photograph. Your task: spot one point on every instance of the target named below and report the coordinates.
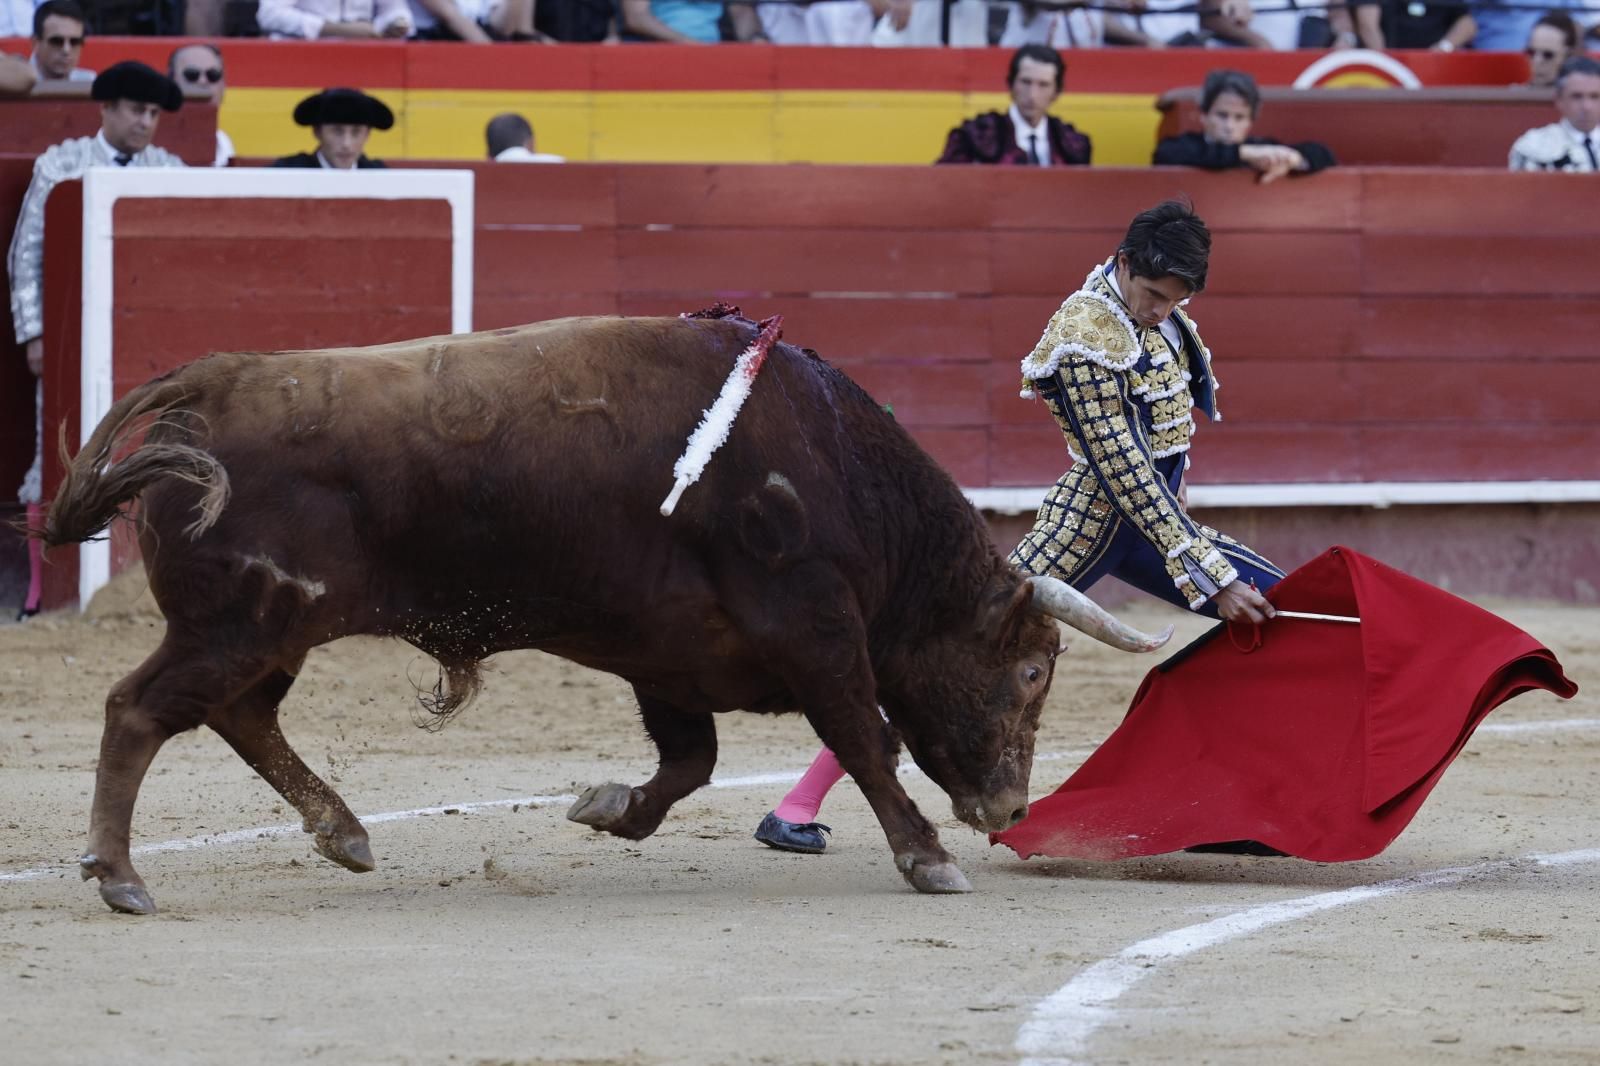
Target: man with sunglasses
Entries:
(58, 32)
(1573, 144)
(132, 97)
(198, 68)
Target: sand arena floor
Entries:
(507, 935)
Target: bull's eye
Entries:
(1031, 674)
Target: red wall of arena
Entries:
(1369, 325)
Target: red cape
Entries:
(1322, 742)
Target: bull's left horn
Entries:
(1060, 600)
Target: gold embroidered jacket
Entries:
(1124, 400)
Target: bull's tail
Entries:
(95, 487)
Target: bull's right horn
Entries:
(1060, 600)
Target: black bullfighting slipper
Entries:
(26, 613)
(804, 837)
(1236, 847)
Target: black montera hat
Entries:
(347, 106)
(132, 80)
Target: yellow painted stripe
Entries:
(810, 126)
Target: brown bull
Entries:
(500, 490)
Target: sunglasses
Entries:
(58, 41)
(192, 75)
(1540, 53)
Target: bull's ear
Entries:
(1005, 607)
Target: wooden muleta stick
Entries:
(1316, 617)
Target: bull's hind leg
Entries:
(688, 746)
(250, 726)
(172, 691)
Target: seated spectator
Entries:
(16, 19)
(342, 120)
(1436, 25)
(1236, 22)
(1573, 144)
(690, 21)
(1072, 27)
(576, 21)
(17, 76)
(1553, 40)
(1026, 134)
(58, 32)
(476, 21)
(839, 23)
(1229, 105)
(510, 140)
(1507, 28)
(312, 19)
(199, 66)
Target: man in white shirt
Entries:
(132, 97)
(199, 67)
(510, 138)
(1573, 144)
(313, 20)
(58, 32)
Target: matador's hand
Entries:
(1240, 602)
(36, 356)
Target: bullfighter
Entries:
(1121, 368)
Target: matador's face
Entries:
(1150, 301)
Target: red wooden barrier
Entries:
(1369, 325)
(1447, 127)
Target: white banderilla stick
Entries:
(717, 422)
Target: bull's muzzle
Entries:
(995, 812)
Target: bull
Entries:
(478, 493)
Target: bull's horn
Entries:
(1060, 600)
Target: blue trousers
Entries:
(1117, 548)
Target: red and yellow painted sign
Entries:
(744, 103)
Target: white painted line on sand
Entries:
(273, 832)
(1545, 725)
(1058, 1032)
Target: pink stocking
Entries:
(35, 560)
(805, 799)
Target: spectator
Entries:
(16, 18)
(846, 23)
(510, 140)
(690, 21)
(1072, 27)
(1229, 105)
(476, 21)
(576, 21)
(1552, 41)
(132, 97)
(1236, 22)
(17, 77)
(313, 19)
(1437, 25)
(1026, 135)
(1573, 144)
(1506, 29)
(342, 120)
(58, 31)
(199, 67)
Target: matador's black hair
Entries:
(1169, 240)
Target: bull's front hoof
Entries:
(127, 897)
(350, 851)
(603, 807)
(939, 878)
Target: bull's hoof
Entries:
(350, 851)
(939, 878)
(127, 897)
(603, 807)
